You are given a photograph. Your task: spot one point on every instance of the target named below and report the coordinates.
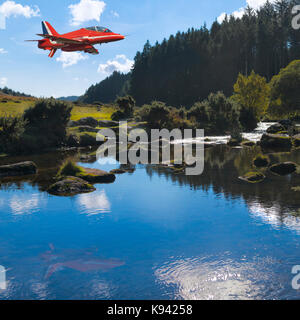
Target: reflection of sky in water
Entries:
(274, 216)
(221, 278)
(23, 202)
(94, 203)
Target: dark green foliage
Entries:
(217, 114)
(46, 124)
(188, 66)
(11, 92)
(11, 133)
(247, 119)
(157, 115)
(107, 90)
(126, 106)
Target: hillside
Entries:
(107, 90)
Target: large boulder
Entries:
(253, 177)
(275, 141)
(18, 169)
(284, 168)
(70, 186)
(275, 128)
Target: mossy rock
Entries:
(276, 128)
(261, 161)
(96, 176)
(296, 189)
(274, 141)
(88, 139)
(87, 129)
(18, 169)
(253, 177)
(283, 168)
(70, 186)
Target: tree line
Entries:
(190, 65)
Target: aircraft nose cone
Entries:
(122, 37)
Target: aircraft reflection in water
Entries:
(75, 259)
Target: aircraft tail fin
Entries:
(48, 29)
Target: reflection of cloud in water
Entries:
(219, 279)
(26, 203)
(94, 203)
(274, 216)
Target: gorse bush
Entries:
(126, 106)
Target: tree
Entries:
(252, 93)
(285, 93)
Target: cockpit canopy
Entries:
(99, 29)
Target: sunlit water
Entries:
(153, 234)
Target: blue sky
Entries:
(26, 68)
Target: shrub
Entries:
(47, 122)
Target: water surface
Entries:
(153, 234)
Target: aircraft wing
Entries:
(61, 39)
(92, 50)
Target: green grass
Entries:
(79, 112)
(69, 168)
(12, 107)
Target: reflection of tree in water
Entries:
(224, 165)
(48, 165)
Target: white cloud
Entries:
(86, 10)
(2, 51)
(121, 63)
(3, 81)
(11, 8)
(254, 4)
(115, 14)
(70, 58)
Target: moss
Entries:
(261, 161)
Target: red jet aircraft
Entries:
(80, 40)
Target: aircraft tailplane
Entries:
(48, 29)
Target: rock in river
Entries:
(275, 141)
(96, 176)
(284, 168)
(18, 169)
(70, 186)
